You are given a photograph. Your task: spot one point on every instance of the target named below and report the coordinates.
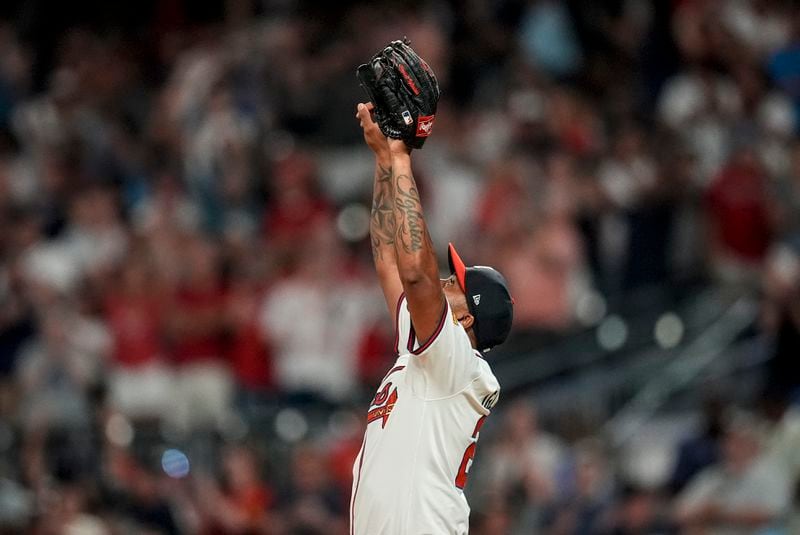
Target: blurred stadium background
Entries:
(190, 327)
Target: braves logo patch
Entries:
(384, 411)
(425, 125)
(381, 396)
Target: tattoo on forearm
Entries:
(412, 233)
(382, 222)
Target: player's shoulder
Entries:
(401, 362)
(485, 382)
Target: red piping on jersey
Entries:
(435, 334)
(397, 323)
(478, 426)
(355, 492)
(412, 335)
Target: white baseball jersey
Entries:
(422, 430)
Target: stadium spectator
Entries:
(56, 371)
(242, 503)
(636, 511)
(740, 226)
(702, 449)
(203, 386)
(744, 491)
(315, 318)
(524, 466)
(311, 503)
(139, 379)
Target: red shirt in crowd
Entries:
(135, 324)
(198, 333)
(738, 210)
(248, 353)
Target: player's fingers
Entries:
(365, 115)
(371, 110)
(363, 112)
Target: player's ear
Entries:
(466, 320)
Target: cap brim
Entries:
(457, 267)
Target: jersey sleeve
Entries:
(444, 364)
(404, 340)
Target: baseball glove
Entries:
(404, 91)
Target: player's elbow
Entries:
(413, 276)
(418, 270)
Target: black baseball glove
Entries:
(404, 91)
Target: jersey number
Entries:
(469, 453)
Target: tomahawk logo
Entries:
(386, 403)
(476, 299)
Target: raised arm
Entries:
(382, 223)
(416, 260)
(401, 245)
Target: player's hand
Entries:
(372, 134)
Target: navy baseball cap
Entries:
(488, 300)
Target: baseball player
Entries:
(424, 421)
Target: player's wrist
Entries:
(400, 160)
(400, 154)
(398, 149)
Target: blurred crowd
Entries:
(189, 321)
